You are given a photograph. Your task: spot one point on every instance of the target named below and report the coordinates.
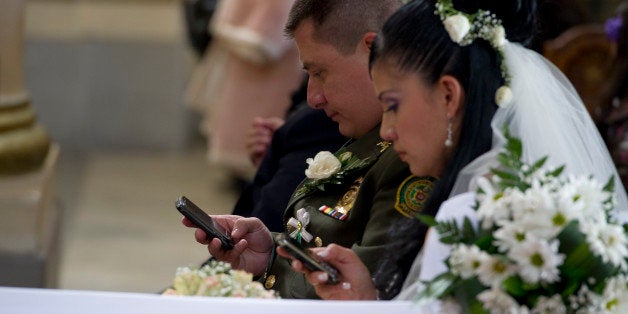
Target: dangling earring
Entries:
(448, 141)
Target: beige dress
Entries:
(249, 70)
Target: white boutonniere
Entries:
(327, 168)
(323, 166)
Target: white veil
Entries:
(550, 119)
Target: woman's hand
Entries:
(252, 241)
(260, 136)
(356, 283)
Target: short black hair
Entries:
(341, 23)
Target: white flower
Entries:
(493, 271)
(492, 207)
(509, 235)
(615, 295)
(607, 241)
(590, 193)
(503, 96)
(499, 36)
(497, 301)
(457, 26)
(465, 260)
(323, 166)
(551, 305)
(538, 260)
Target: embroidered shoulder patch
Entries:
(412, 194)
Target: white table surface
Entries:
(30, 300)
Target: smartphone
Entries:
(204, 222)
(306, 257)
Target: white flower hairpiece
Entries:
(464, 28)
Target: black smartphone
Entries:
(306, 257)
(203, 221)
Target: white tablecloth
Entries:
(29, 300)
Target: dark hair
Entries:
(415, 40)
(341, 23)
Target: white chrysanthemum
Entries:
(499, 36)
(509, 235)
(503, 96)
(551, 305)
(533, 211)
(465, 260)
(590, 192)
(492, 207)
(497, 301)
(493, 271)
(607, 241)
(457, 26)
(538, 260)
(323, 166)
(615, 295)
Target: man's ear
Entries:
(367, 40)
(452, 95)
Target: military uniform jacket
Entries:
(365, 227)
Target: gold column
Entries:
(24, 143)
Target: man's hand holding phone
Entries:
(252, 242)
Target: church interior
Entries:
(88, 203)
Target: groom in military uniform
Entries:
(350, 198)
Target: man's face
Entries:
(339, 84)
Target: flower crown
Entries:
(464, 28)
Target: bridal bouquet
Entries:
(217, 279)
(543, 243)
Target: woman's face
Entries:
(415, 118)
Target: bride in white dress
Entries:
(448, 89)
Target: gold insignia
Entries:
(412, 194)
(318, 242)
(345, 204)
(383, 145)
(270, 282)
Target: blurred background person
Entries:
(249, 70)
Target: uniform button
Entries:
(318, 242)
(270, 282)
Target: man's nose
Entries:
(315, 96)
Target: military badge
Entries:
(412, 194)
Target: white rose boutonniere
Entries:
(327, 168)
(323, 166)
(457, 26)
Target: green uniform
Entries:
(373, 198)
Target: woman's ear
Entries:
(452, 95)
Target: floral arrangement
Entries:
(542, 244)
(217, 279)
(465, 28)
(327, 168)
